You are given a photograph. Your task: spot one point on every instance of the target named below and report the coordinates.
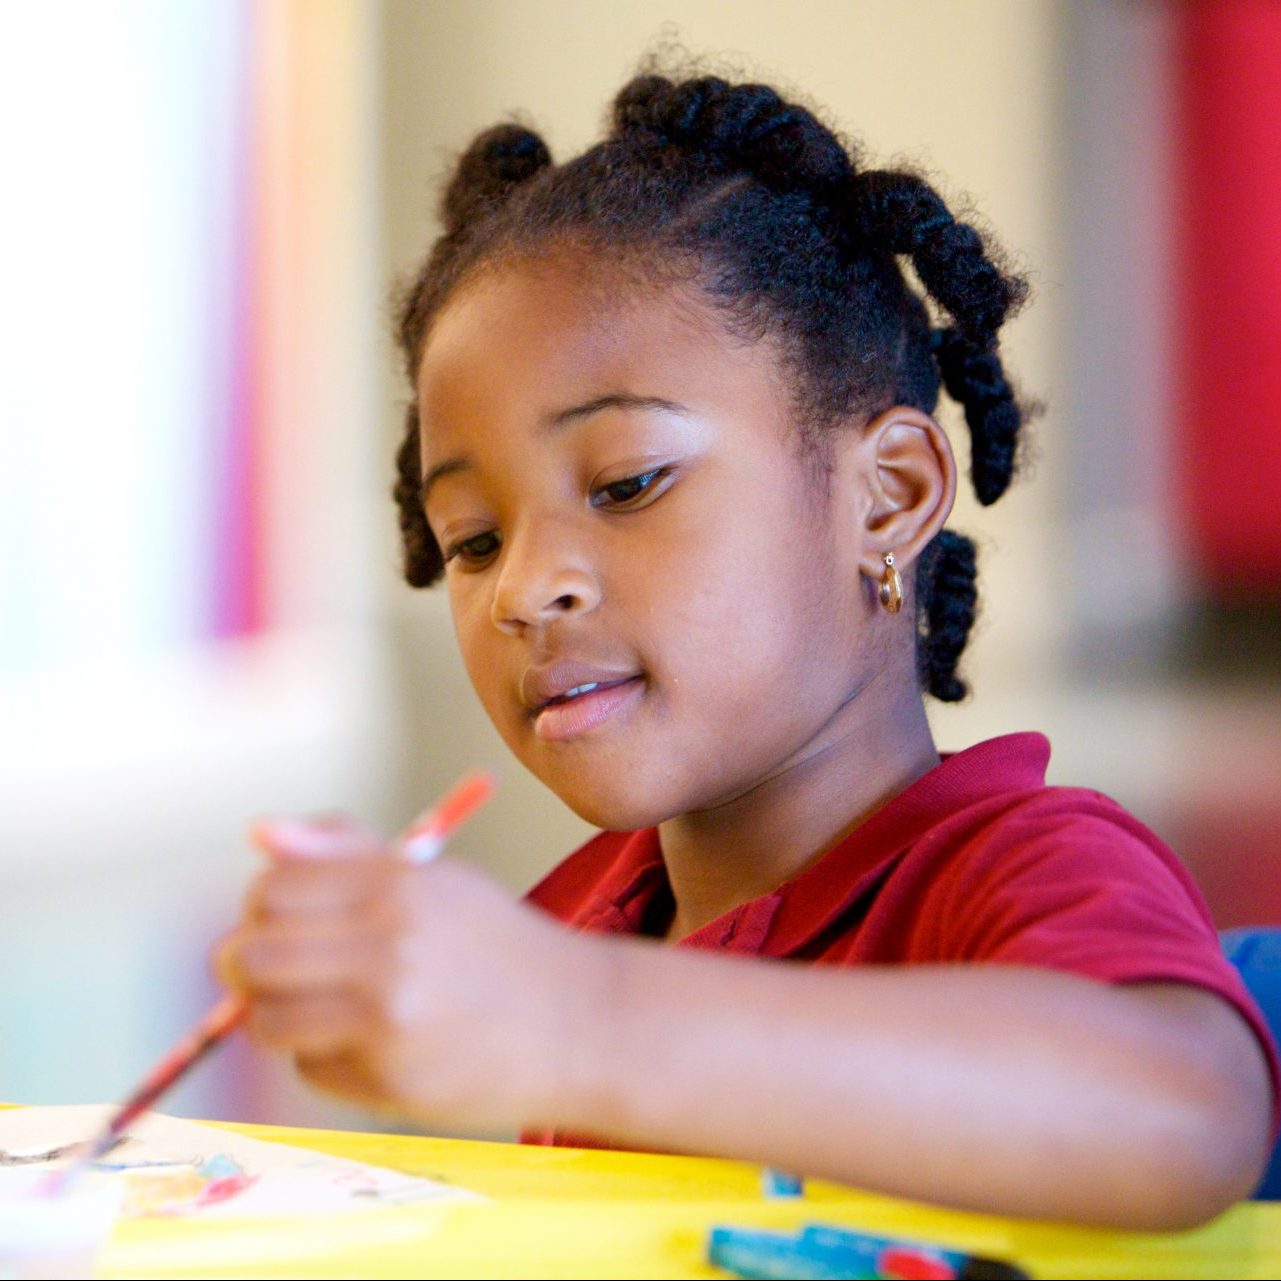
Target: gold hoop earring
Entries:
(891, 592)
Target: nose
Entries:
(544, 576)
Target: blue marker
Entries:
(780, 1183)
(746, 1253)
(824, 1253)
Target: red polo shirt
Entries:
(978, 860)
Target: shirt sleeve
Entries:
(1080, 885)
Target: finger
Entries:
(318, 889)
(313, 1023)
(289, 956)
(225, 961)
(345, 1073)
(325, 837)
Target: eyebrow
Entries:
(614, 400)
(562, 418)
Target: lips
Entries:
(565, 680)
(576, 714)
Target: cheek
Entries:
(773, 632)
(475, 634)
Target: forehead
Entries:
(531, 338)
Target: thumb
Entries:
(327, 836)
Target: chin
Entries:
(613, 814)
(614, 808)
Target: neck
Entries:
(873, 747)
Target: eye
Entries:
(632, 491)
(475, 550)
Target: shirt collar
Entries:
(784, 921)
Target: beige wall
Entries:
(965, 88)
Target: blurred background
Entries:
(201, 619)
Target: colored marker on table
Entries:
(779, 1183)
(821, 1252)
(420, 843)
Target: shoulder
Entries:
(987, 816)
(1024, 829)
(1066, 876)
(991, 805)
(1063, 831)
(994, 863)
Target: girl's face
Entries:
(655, 599)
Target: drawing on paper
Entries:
(174, 1168)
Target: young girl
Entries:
(672, 452)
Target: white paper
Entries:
(178, 1168)
(50, 1237)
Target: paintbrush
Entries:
(421, 841)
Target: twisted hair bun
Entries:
(949, 570)
(735, 127)
(975, 379)
(497, 160)
(905, 214)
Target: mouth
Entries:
(588, 687)
(584, 706)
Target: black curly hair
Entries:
(752, 198)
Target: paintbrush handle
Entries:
(186, 1053)
(218, 1023)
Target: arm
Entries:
(990, 1087)
(987, 1087)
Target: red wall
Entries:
(1228, 265)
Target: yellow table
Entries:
(567, 1213)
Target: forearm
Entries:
(1013, 1090)
(1009, 1090)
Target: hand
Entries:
(426, 989)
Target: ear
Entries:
(910, 473)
